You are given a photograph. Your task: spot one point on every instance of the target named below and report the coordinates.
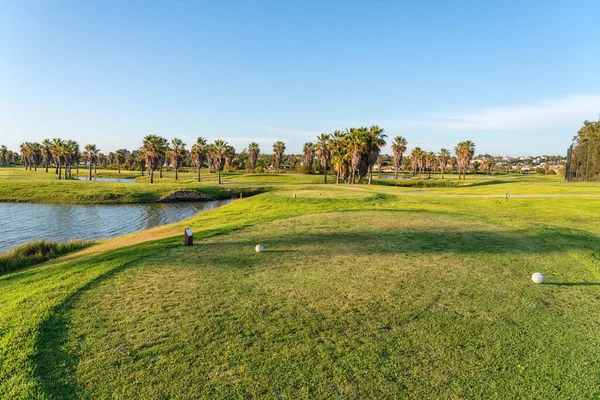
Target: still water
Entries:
(119, 180)
(20, 223)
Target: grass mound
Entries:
(32, 253)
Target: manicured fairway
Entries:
(373, 296)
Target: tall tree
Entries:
(309, 154)
(253, 153)
(278, 150)
(398, 147)
(464, 154)
(443, 158)
(120, 156)
(324, 152)
(153, 147)
(3, 151)
(375, 140)
(218, 152)
(177, 154)
(90, 155)
(199, 154)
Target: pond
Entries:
(22, 222)
(120, 180)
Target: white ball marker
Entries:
(537, 277)
(259, 248)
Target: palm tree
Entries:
(140, 158)
(278, 149)
(3, 151)
(153, 149)
(120, 156)
(199, 154)
(476, 166)
(90, 154)
(253, 152)
(324, 152)
(355, 145)
(57, 151)
(443, 158)
(488, 165)
(374, 141)
(464, 154)
(398, 147)
(416, 159)
(47, 152)
(177, 154)
(430, 161)
(218, 152)
(309, 155)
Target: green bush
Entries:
(32, 253)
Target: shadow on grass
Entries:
(55, 363)
(413, 241)
(573, 283)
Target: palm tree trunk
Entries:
(219, 174)
(46, 167)
(161, 170)
(119, 168)
(95, 168)
(337, 177)
(90, 174)
(325, 175)
(198, 174)
(176, 170)
(370, 175)
(59, 171)
(151, 175)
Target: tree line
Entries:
(351, 154)
(583, 157)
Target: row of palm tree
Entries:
(351, 153)
(8, 156)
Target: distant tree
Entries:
(323, 147)
(464, 153)
(90, 155)
(119, 157)
(489, 164)
(199, 154)
(153, 148)
(476, 165)
(430, 160)
(177, 154)
(278, 150)
(253, 153)
(218, 152)
(309, 154)
(443, 158)
(398, 147)
(3, 151)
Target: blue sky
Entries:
(516, 77)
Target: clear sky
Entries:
(516, 77)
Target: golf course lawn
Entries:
(358, 294)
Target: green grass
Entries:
(18, 185)
(367, 296)
(32, 253)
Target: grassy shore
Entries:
(358, 294)
(18, 185)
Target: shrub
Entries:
(32, 253)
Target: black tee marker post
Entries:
(188, 237)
